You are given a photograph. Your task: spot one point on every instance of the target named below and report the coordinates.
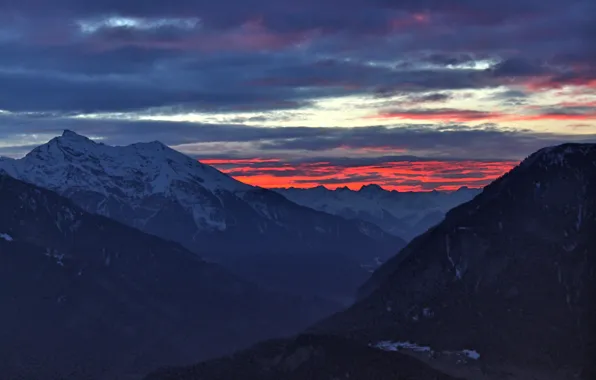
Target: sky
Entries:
(412, 95)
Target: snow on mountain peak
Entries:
(68, 134)
(136, 169)
(74, 164)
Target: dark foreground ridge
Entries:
(309, 357)
(85, 297)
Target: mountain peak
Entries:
(70, 135)
(373, 187)
(560, 155)
(131, 171)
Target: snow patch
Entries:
(472, 354)
(396, 346)
(458, 273)
(387, 345)
(578, 222)
(427, 312)
(125, 174)
(56, 255)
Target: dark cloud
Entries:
(414, 58)
(435, 97)
(401, 142)
(43, 91)
(69, 55)
(459, 141)
(518, 68)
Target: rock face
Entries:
(503, 288)
(511, 274)
(85, 297)
(405, 214)
(257, 233)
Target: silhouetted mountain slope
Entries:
(255, 232)
(307, 357)
(510, 274)
(85, 297)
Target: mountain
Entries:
(255, 232)
(510, 274)
(502, 288)
(85, 297)
(405, 214)
(311, 357)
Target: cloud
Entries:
(404, 175)
(444, 79)
(441, 114)
(444, 141)
(586, 112)
(109, 56)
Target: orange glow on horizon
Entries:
(398, 175)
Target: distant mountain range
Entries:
(405, 214)
(85, 297)
(502, 288)
(254, 232)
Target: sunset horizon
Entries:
(402, 176)
(411, 96)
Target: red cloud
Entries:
(397, 175)
(456, 115)
(548, 83)
(554, 116)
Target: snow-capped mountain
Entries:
(256, 232)
(405, 214)
(85, 297)
(503, 288)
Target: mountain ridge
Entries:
(168, 194)
(405, 214)
(91, 298)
